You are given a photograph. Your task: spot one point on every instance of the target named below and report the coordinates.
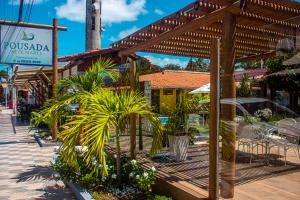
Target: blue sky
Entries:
(121, 17)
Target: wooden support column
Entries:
(54, 75)
(214, 119)
(228, 112)
(133, 117)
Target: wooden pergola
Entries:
(37, 79)
(226, 31)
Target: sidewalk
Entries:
(24, 166)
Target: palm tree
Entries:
(70, 89)
(107, 114)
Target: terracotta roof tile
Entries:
(177, 79)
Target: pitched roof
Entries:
(251, 73)
(177, 79)
(91, 53)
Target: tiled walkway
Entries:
(24, 166)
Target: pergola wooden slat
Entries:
(247, 33)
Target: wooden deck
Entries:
(255, 181)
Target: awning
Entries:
(202, 89)
(295, 60)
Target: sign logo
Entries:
(27, 36)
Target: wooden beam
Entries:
(214, 120)
(179, 30)
(257, 57)
(55, 75)
(228, 111)
(133, 116)
(25, 24)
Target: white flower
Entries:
(115, 156)
(131, 174)
(145, 174)
(133, 162)
(113, 176)
(95, 162)
(100, 165)
(103, 178)
(153, 168)
(137, 176)
(111, 167)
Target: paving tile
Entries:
(24, 166)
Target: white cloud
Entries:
(17, 2)
(159, 12)
(165, 61)
(113, 11)
(127, 32)
(124, 33)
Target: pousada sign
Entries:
(26, 45)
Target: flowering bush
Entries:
(143, 179)
(132, 175)
(263, 114)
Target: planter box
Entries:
(43, 143)
(178, 146)
(79, 192)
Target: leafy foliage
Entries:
(275, 64)
(178, 121)
(3, 74)
(158, 197)
(132, 172)
(244, 90)
(199, 65)
(107, 112)
(172, 67)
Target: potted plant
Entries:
(178, 132)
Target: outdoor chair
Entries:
(248, 136)
(288, 136)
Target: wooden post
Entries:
(132, 117)
(228, 111)
(214, 119)
(54, 75)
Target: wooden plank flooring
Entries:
(254, 181)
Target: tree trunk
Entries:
(118, 156)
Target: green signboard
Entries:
(26, 45)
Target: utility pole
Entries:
(93, 25)
(21, 10)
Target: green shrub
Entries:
(158, 197)
(102, 196)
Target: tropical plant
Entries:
(178, 120)
(107, 113)
(70, 89)
(244, 90)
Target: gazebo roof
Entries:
(188, 31)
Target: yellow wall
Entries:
(167, 102)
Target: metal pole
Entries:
(54, 76)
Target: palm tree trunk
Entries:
(118, 155)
